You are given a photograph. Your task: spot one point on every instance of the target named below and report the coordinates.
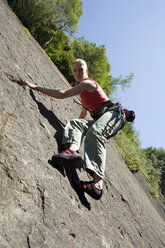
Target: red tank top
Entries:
(93, 100)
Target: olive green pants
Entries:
(96, 132)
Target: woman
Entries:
(108, 119)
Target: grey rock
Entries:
(39, 207)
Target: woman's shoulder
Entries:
(89, 84)
(90, 81)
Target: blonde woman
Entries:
(108, 119)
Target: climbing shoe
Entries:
(65, 156)
(89, 188)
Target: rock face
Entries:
(39, 208)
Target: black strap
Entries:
(95, 113)
(105, 104)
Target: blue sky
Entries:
(133, 32)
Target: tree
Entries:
(123, 82)
(50, 16)
(157, 159)
(61, 54)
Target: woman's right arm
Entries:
(83, 113)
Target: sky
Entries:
(133, 32)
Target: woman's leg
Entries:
(95, 144)
(98, 181)
(72, 138)
(74, 132)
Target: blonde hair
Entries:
(81, 62)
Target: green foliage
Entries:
(32, 12)
(61, 54)
(133, 163)
(27, 30)
(52, 15)
(156, 158)
(123, 82)
(129, 141)
(131, 133)
(150, 161)
(69, 16)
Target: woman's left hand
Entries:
(30, 85)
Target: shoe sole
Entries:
(62, 160)
(93, 195)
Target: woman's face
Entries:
(80, 72)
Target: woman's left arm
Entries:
(60, 94)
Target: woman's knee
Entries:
(95, 135)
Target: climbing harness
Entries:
(108, 106)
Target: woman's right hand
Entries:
(30, 85)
